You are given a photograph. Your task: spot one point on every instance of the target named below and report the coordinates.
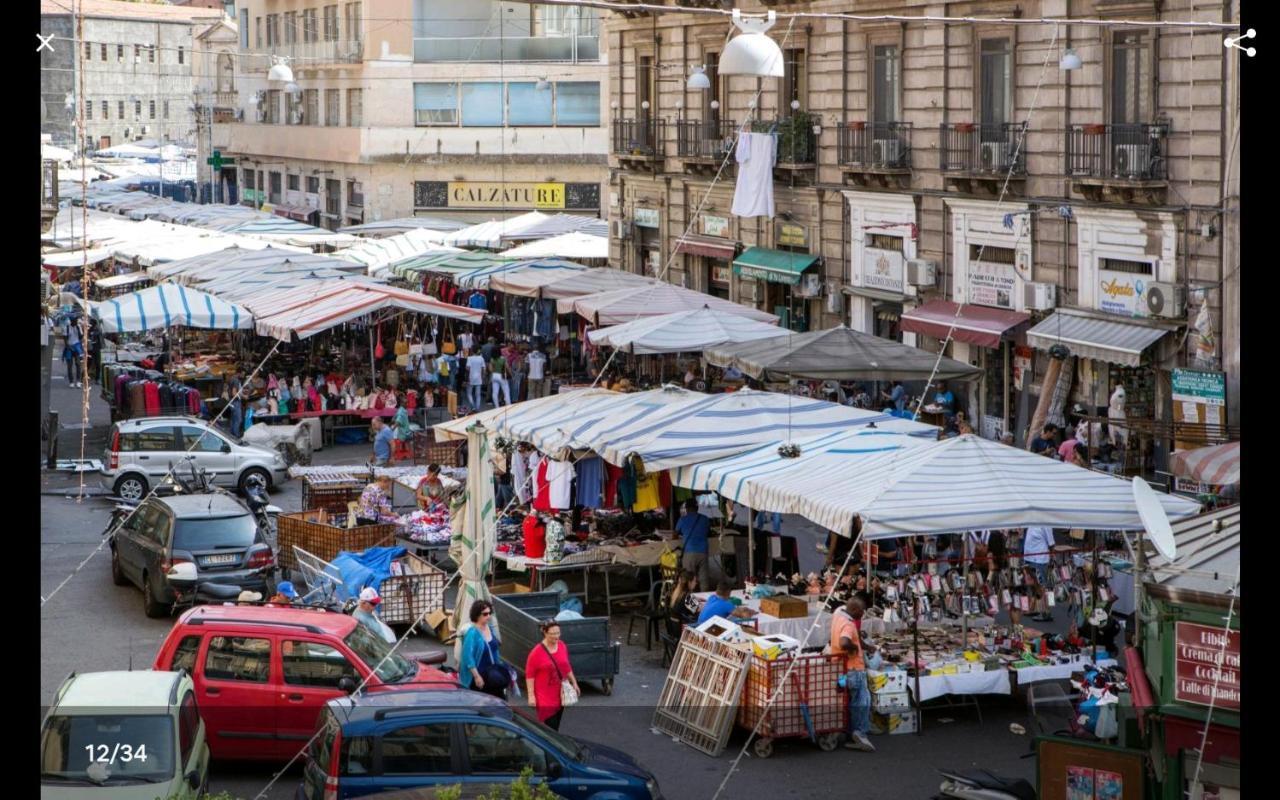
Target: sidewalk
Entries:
(69, 403)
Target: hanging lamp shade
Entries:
(699, 80)
(751, 52)
(280, 71)
(1070, 61)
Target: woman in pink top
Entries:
(547, 666)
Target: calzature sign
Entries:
(1207, 666)
(470, 194)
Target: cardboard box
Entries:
(724, 630)
(774, 646)
(442, 623)
(890, 703)
(889, 681)
(509, 588)
(893, 724)
(785, 606)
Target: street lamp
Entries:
(280, 71)
(751, 52)
(698, 79)
(1070, 61)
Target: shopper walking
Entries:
(846, 639)
(475, 380)
(546, 672)
(498, 370)
(480, 666)
(382, 436)
(72, 350)
(694, 529)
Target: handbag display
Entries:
(568, 694)
(447, 345)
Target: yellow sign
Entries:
(471, 194)
(791, 235)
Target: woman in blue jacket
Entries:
(480, 666)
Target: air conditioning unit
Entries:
(1167, 300)
(239, 115)
(1040, 296)
(1131, 160)
(922, 272)
(810, 286)
(621, 229)
(995, 156)
(885, 151)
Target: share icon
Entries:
(1234, 41)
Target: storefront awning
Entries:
(978, 325)
(300, 213)
(709, 246)
(775, 266)
(882, 295)
(1116, 341)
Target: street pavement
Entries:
(92, 625)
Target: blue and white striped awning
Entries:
(1115, 340)
(683, 332)
(479, 278)
(902, 488)
(169, 304)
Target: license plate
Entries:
(227, 559)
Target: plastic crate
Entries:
(814, 677)
(332, 496)
(410, 597)
(326, 535)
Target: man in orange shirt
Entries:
(846, 639)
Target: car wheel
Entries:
(254, 473)
(117, 575)
(150, 605)
(131, 487)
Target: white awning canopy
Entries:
(554, 285)
(1114, 340)
(683, 332)
(307, 311)
(169, 304)
(568, 245)
(628, 304)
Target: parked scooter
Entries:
(981, 784)
(255, 497)
(189, 590)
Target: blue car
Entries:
(392, 741)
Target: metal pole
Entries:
(373, 362)
(751, 544)
(1093, 590)
(964, 561)
(1139, 575)
(915, 646)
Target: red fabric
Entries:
(664, 489)
(546, 681)
(541, 488)
(193, 403)
(411, 400)
(535, 537)
(611, 485)
(151, 396)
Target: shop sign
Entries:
(252, 194)
(792, 235)
(1022, 360)
(646, 217)
(1207, 666)
(476, 194)
(715, 226)
(1187, 486)
(1200, 397)
(992, 284)
(992, 427)
(720, 274)
(1122, 293)
(883, 269)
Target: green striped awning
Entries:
(777, 266)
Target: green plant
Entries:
(796, 139)
(519, 789)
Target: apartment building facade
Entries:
(135, 60)
(905, 186)
(401, 107)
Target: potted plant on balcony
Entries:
(1094, 129)
(964, 127)
(796, 139)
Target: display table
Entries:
(577, 562)
(994, 681)
(802, 629)
(1057, 672)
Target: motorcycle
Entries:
(981, 784)
(255, 496)
(189, 590)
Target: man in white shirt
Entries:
(537, 363)
(1037, 544)
(475, 380)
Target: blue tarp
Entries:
(369, 568)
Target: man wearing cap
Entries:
(285, 594)
(364, 612)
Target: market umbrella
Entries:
(474, 532)
(683, 332)
(169, 304)
(1217, 465)
(840, 354)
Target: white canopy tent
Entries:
(307, 311)
(567, 245)
(456, 429)
(628, 304)
(169, 304)
(377, 254)
(683, 332)
(899, 487)
(553, 285)
(489, 234)
(76, 258)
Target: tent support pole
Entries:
(1093, 591)
(964, 612)
(373, 362)
(1139, 575)
(751, 544)
(915, 646)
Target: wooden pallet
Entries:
(700, 697)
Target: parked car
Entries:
(124, 735)
(140, 452)
(263, 673)
(393, 741)
(214, 531)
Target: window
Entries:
(120, 53)
(712, 94)
(88, 51)
(313, 185)
(528, 105)
(1130, 78)
(996, 81)
(292, 182)
(151, 109)
(137, 109)
(355, 108)
(309, 25)
(494, 750)
(355, 194)
(151, 53)
(1124, 265)
(188, 726)
(993, 255)
(331, 23)
(290, 27)
(103, 52)
(435, 104)
(273, 30)
(357, 755)
(333, 201)
(120, 109)
(332, 114)
(244, 28)
(166, 109)
(644, 85)
(105, 110)
(199, 440)
(887, 78)
(88, 109)
(793, 82)
(137, 53)
(418, 750)
(314, 664)
(880, 241)
(274, 190)
(578, 103)
(257, 32)
(482, 104)
(273, 106)
(353, 18)
(184, 656)
(311, 107)
(237, 658)
(182, 55)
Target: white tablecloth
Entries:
(799, 628)
(1057, 672)
(994, 681)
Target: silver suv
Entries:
(140, 452)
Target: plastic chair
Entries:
(653, 613)
(670, 635)
(401, 450)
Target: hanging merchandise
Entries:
(753, 194)
(560, 477)
(379, 352)
(447, 344)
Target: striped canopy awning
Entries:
(630, 303)
(557, 284)
(903, 488)
(479, 278)
(1114, 340)
(1218, 465)
(979, 325)
(378, 253)
(683, 332)
(307, 311)
(169, 304)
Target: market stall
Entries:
(489, 235)
(683, 332)
(167, 305)
(399, 225)
(630, 303)
(377, 254)
(576, 246)
(549, 285)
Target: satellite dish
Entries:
(1154, 519)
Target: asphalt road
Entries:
(92, 625)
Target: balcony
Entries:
(1124, 163)
(876, 153)
(555, 49)
(48, 194)
(312, 54)
(704, 144)
(981, 157)
(797, 146)
(640, 141)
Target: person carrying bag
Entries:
(549, 677)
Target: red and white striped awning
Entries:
(1218, 465)
(309, 310)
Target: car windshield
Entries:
(214, 534)
(107, 749)
(373, 651)
(565, 745)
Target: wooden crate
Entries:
(332, 496)
(785, 607)
(700, 697)
(326, 535)
(409, 597)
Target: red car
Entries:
(264, 673)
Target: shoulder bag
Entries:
(568, 694)
(447, 345)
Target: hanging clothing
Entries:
(555, 542)
(647, 495)
(753, 194)
(560, 476)
(614, 474)
(541, 487)
(520, 475)
(535, 536)
(627, 487)
(590, 481)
